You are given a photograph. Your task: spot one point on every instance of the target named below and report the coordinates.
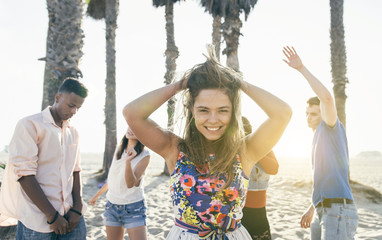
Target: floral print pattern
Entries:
(199, 198)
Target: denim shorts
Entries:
(129, 216)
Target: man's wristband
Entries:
(54, 219)
(75, 211)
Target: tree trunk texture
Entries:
(172, 54)
(231, 33)
(217, 34)
(110, 100)
(338, 57)
(63, 46)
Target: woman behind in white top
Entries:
(125, 208)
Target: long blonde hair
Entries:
(212, 75)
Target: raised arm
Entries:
(261, 142)
(133, 176)
(327, 105)
(160, 140)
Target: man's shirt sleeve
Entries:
(23, 149)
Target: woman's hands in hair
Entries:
(244, 85)
(182, 84)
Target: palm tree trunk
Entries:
(338, 57)
(172, 54)
(111, 13)
(64, 46)
(217, 34)
(231, 33)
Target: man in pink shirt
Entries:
(41, 186)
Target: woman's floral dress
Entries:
(200, 202)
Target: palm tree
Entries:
(63, 45)
(338, 56)
(172, 54)
(217, 34)
(230, 10)
(108, 10)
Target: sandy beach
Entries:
(288, 197)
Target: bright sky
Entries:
(141, 43)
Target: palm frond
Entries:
(96, 9)
(223, 8)
(161, 3)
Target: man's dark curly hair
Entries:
(72, 85)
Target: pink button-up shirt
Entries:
(41, 148)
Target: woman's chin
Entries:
(212, 138)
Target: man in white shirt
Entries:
(41, 186)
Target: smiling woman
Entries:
(212, 111)
(212, 103)
(210, 164)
